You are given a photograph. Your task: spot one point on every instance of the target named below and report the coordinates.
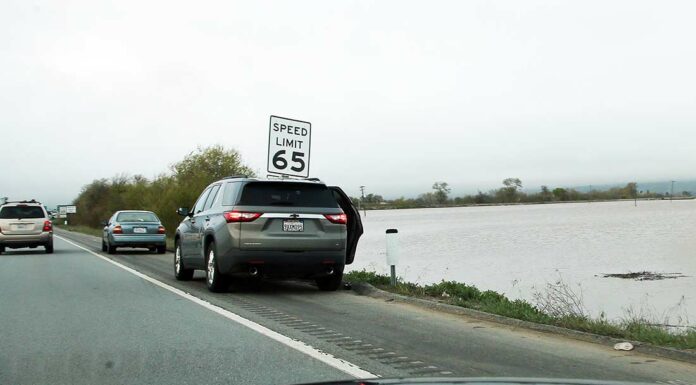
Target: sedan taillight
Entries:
(161, 230)
(117, 229)
(340, 219)
(48, 226)
(240, 216)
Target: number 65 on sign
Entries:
(289, 143)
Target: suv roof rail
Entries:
(288, 177)
(24, 201)
(235, 176)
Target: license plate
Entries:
(20, 227)
(293, 225)
(139, 230)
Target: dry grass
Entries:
(558, 305)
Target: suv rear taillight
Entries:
(117, 229)
(161, 230)
(48, 226)
(340, 219)
(240, 216)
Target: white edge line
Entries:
(337, 363)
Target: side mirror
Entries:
(183, 211)
(105, 223)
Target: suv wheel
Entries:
(2, 249)
(181, 273)
(49, 247)
(161, 249)
(110, 249)
(331, 282)
(215, 281)
(103, 245)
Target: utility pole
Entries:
(671, 194)
(362, 199)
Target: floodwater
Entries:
(518, 250)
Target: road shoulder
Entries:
(369, 290)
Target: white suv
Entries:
(25, 224)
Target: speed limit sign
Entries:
(289, 142)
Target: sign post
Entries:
(64, 210)
(63, 213)
(289, 143)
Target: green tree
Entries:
(179, 188)
(546, 194)
(372, 198)
(560, 193)
(630, 191)
(442, 191)
(482, 197)
(509, 191)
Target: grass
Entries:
(461, 294)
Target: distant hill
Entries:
(657, 187)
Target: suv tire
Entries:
(181, 273)
(331, 282)
(2, 249)
(161, 249)
(215, 281)
(49, 247)
(110, 249)
(103, 245)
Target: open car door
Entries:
(354, 225)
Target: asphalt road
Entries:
(71, 317)
(73, 314)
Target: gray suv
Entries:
(284, 228)
(25, 224)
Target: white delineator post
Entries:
(392, 252)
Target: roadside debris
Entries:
(645, 276)
(627, 346)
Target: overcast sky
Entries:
(399, 93)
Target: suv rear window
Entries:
(137, 217)
(17, 212)
(286, 194)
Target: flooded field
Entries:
(622, 259)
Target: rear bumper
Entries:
(305, 264)
(138, 240)
(18, 241)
